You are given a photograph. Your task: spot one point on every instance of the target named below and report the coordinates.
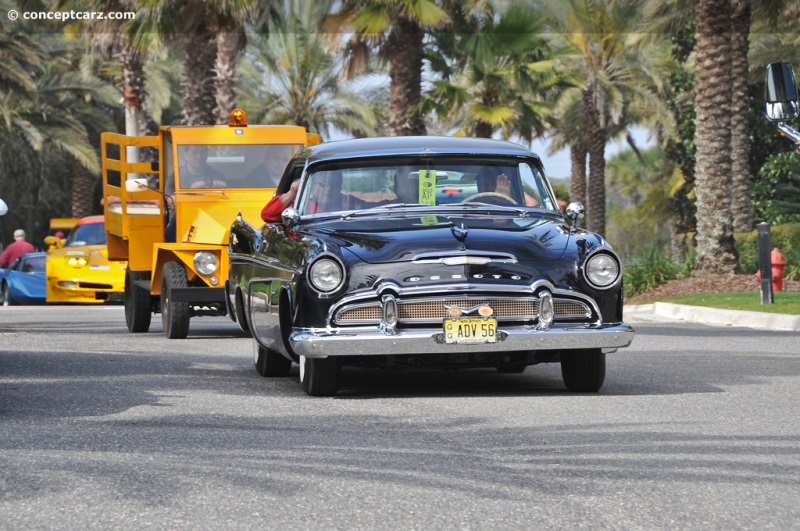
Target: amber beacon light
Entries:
(238, 118)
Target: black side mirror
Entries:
(781, 92)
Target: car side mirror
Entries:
(3, 208)
(781, 93)
(54, 241)
(290, 217)
(575, 212)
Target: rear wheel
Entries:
(583, 370)
(268, 362)
(138, 305)
(174, 315)
(320, 376)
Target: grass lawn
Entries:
(788, 303)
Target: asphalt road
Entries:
(695, 428)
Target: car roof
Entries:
(412, 145)
(90, 219)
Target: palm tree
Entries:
(496, 70)
(613, 74)
(212, 35)
(108, 38)
(289, 77)
(227, 19)
(741, 174)
(396, 29)
(715, 244)
(165, 21)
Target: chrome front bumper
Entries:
(321, 343)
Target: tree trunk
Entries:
(715, 245)
(133, 92)
(82, 192)
(405, 71)
(577, 187)
(596, 145)
(229, 44)
(199, 99)
(740, 131)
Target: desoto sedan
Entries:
(424, 252)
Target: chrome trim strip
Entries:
(464, 257)
(321, 343)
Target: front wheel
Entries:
(268, 362)
(138, 303)
(174, 315)
(583, 370)
(8, 300)
(241, 316)
(320, 376)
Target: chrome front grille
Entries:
(433, 310)
(569, 309)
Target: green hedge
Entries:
(785, 237)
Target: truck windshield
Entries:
(233, 166)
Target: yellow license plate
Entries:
(470, 330)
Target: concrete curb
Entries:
(666, 311)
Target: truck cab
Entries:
(170, 221)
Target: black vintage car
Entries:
(425, 252)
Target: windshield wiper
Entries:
(491, 206)
(391, 206)
(397, 205)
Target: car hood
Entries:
(403, 238)
(94, 254)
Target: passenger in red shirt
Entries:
(326, 196)
(16, 249)
(280, 202)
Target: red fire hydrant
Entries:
(778, 264)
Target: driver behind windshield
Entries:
(492, 179)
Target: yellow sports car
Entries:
(79, 271)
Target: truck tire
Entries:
(138, 305)
(174, 315)
(583, 370)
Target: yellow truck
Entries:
(169, 201)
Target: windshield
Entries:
(428, 182)
(32, 264)
(87, 234)
(233, 166)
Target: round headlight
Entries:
(325, 275)
(205, 262)
(602, 270)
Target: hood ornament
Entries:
(460, 233)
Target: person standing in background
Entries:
(16, 249)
